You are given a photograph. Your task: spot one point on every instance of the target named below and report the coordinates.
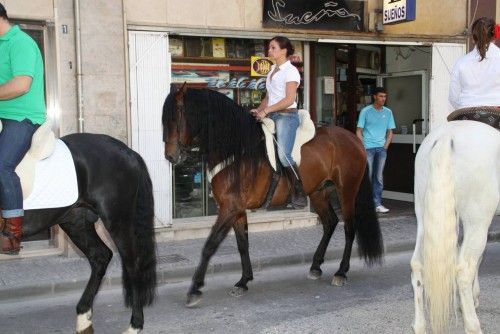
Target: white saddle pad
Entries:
(305, 132)
(55, 183)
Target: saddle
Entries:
(42, 146)
(305, 132)
(487, 115)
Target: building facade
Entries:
(109, 66)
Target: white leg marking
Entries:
(83, 321)
(131, 330)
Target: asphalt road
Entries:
(280, 300)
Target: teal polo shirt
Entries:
(375, 124)
(20, 55)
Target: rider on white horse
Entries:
(457, 178)
(475, 79)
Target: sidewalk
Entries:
(177, 260)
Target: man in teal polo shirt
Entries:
(22, 110)
(375, 126)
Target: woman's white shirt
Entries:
(476, 83)
(276, 87)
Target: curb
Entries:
(184, 273)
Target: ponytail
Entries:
(483, 32)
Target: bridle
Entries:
(180, 118)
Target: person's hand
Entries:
(259, 114)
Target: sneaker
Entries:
(381, 209)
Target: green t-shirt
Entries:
(19, 55)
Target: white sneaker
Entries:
(381, 209)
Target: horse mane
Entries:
(224, 131)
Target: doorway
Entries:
(407, 98)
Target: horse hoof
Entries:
(193, 300)
(88, 330)
(339, 280)
(314, 274)
(237, 291)
(132, 330)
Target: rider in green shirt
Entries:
(22, 110)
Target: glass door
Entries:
(407, 97)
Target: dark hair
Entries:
(284, 43)
(3, 12)
(379, 90)
(483, 30)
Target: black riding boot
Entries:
(299, 198)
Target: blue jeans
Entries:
(376, 162)
(286, 128)
(15, 140)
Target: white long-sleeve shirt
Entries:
(476, 83)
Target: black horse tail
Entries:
(370, 244)
(145, 280)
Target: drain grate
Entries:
(171, 258)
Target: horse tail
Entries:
(145, 281)
(440, 236)
(370, 244)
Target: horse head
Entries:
(175, 133)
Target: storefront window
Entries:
(224, 65)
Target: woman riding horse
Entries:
(280, 106)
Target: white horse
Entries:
(457, 178)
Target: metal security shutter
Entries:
(444, 56)
(149, 85)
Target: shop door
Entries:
(150, 72)
(407, 97)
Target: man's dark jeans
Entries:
(15, 140)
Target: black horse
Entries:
(114, 185)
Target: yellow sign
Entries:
(218, 47)
(260, 66)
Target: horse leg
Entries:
(417, 283)
(347, 203)
(241, 233)
(321, 204)
(85, 237)
(475, 286)
(473, 245)
(217, 235)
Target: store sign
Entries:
(260, 66)
(320, 15)
(399, 10)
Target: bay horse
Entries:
(114, 185)
(457, 179)
(228, 136)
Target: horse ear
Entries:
(184, 88)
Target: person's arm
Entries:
(291, 92)
(15, 87)
(288, 100)
(359, 133)
(261, 106)
(388, 139)
(389, 133)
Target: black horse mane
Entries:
(223, 130)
